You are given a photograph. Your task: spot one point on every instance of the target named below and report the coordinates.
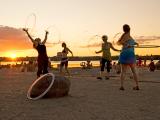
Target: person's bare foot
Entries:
(121, 88)
(136, 88)
(100, 78)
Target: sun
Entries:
(13, 56)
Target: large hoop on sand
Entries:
(29, 96)
(49, 86)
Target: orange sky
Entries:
(76, 22)
(15, 41)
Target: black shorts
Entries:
(42, 66)
(105, 62)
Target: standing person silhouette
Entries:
(64, 59)
(127, 56)
(42, 53)
(106, 56)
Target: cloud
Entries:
(13, 39)
(91, 45)
(94, 41)
(139, 39)
(48, 44)
(146, 39)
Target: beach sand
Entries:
(89, 98)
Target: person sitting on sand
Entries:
(89, 64)
(86, 65)
(106, 56)
(83, 65)
(127, 56)
(152, 66)
(139, 62)
(64, 59)
(42, 53)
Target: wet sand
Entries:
(89, 98)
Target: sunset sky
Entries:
(76, 22)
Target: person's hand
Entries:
(72, 55)
(25, 29)
(137, 44)
(47, 32)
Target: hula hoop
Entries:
(33, 16)
(95, 44)
(65, 60)
(147, 46)
(49, 87)
(60, 56)
(116, 37)
(54, 29)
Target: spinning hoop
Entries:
(116, 37)
(147, 46)
(94, 42)
(30, 22)
(54, 35)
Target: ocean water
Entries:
(74, 63)
(70, 63)
(55, 63)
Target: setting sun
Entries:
(13, 55)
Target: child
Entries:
(64, 59)
(106, 56)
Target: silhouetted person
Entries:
(127, 56)
(139, 62)
(42, 53)
(152, 66)
(106, 56)
(145, 62)
(64, 58)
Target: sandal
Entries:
(100, 78)
(136, 88)
(106, 78)
(121, 88)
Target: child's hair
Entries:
(105, 38)
(63, 44)
(126, 28)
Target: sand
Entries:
(89, 98)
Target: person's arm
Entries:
(45, 39)
(70, 51)
(26, 30)
(113, 47)
(98, 51)
(136, 44)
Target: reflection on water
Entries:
(55, 63)
(74, 63)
